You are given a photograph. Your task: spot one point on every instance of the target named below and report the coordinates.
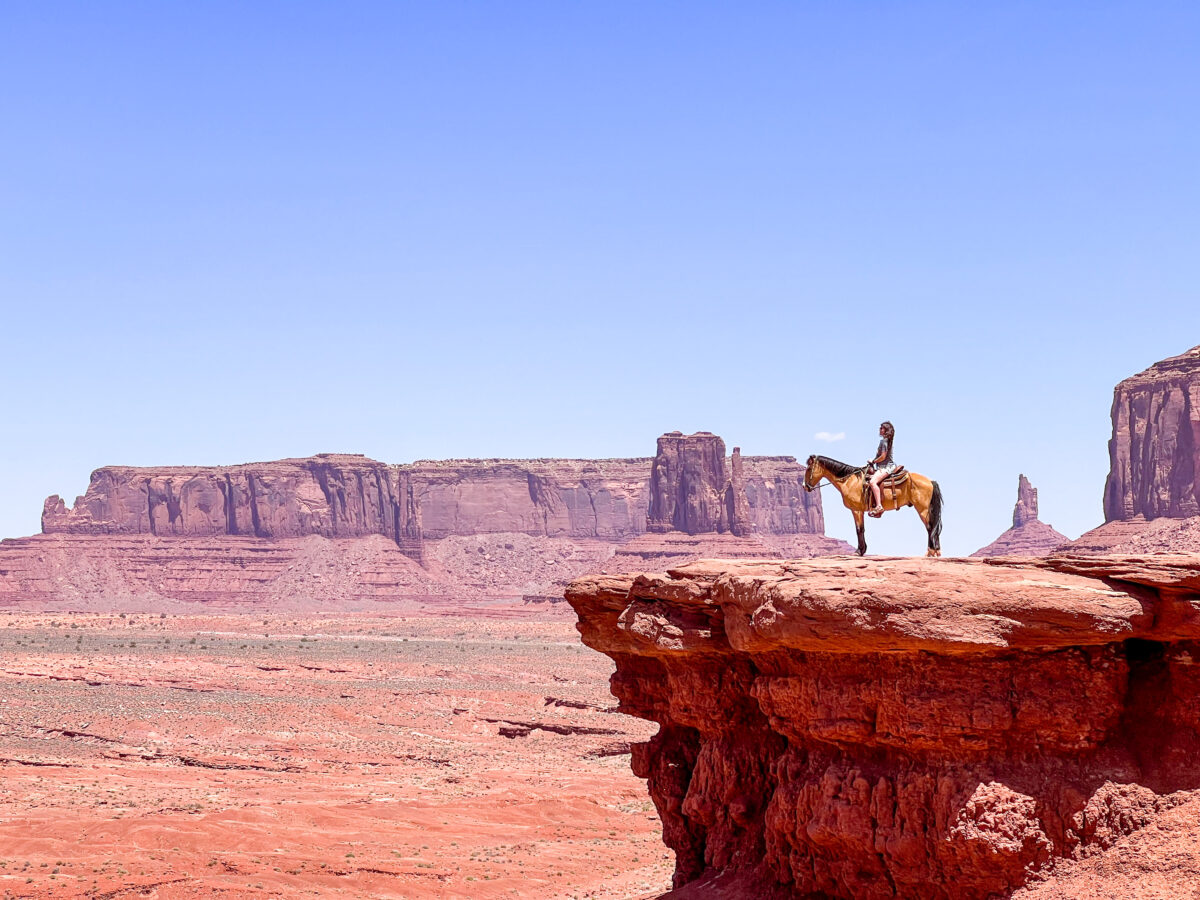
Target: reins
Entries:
(827, 478)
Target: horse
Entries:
(917, 491)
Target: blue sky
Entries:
(234, 232)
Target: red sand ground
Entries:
(348, 756)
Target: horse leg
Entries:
(933, 548)
(860, 527)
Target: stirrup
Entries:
(875, 513)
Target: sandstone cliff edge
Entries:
(887, 728)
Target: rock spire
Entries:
(1029, 536)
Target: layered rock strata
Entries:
(1029, 536)
(737, 504)
(694, 489)
(351, 496)
(1154, 452)
(687, 484)
(340, 495)
(238, 536)
(903, 727)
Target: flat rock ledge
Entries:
(896, 727)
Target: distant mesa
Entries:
(693, 490)
(689, 490)
(689, 486)
(1029, 536)
(346, 531)
(1152, 495)
(700, 507)
(1153, 455)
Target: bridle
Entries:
(819, 484)
(816, 487)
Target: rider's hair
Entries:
(889, 433)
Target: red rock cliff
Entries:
(903, 728)
(330, 495)
(338, 495)
(1155, 448)
(694, 489)
(687, 484)
(1026, 510)
(352, 496)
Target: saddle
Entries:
(891, 483)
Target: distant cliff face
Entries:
(334, 496)
(1155, 448)
(339, 496)
(693, 490)
(776, 500)
(883, 729)
(687, 484)
(352, 496)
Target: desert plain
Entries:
(466, 754)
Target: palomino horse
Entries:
(917, 491)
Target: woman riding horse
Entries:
(881, 466)
(916, 490)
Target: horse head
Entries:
(808, 471)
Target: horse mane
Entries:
(837, 467)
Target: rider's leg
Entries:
(875, 479)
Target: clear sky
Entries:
(234, 232)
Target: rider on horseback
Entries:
(881, 466)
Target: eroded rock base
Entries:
(903, 728)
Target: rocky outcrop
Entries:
(700, 508)
(903, 727)
(776, 499)
(352, 496)
(737, 506)
(1026, 510)
(687, 484)
(329, 495)
(694, 491)
(1155, 448)
(1028, 536)
(476, 527)
(345, 495)
(1150, 497)
(602, 499)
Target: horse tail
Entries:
(935, 518)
